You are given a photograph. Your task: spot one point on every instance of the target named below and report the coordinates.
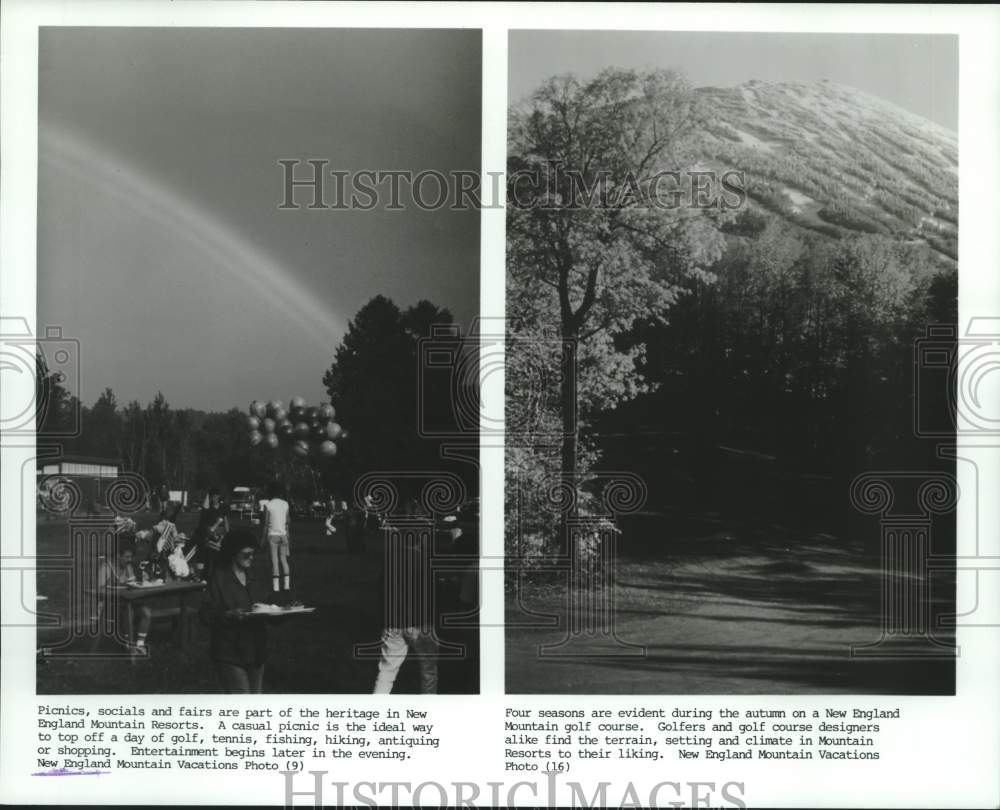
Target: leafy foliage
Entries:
(591, 253)
(374, 382)
(783, 333)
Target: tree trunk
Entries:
(570, 436)
(569, 427)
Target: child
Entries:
(275, 534)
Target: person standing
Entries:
(213, 525)
(164, 500)
(93, 498)
(354, 529)
(409, 619)
(167, 538)
(238, 645)
(330, 525)
(275, 534)
(372, 521)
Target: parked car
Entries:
(242, 502)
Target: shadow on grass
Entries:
(803, 591)
(794, 666)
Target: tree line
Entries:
(373, 381)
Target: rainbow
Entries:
(200, 228)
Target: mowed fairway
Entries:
(310, 653)
(725, 614)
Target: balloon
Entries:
(253, 423)
(311, 413)
(274, 406)
(328, 448)
(280, 414)
(319, 432)
(301, 430)
(258, 409)
(267, 425)
(255, 438)
(345, 435)
(297, 403)
(333, 430)
(284, 429)
(300, 447)
(326, 412)
(271, 440)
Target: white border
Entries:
(947, 751)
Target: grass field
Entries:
(311, 653)
(724, 611)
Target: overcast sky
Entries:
(160, 246)
(916, 72)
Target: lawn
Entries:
(310, 653)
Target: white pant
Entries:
(396, 643)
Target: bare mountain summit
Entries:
(836, 160)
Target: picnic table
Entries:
(183, 591)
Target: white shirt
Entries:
(277, 516)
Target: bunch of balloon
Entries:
(308, 432)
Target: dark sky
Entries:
(916, 72)
(160, 246)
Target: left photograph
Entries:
(257, 291)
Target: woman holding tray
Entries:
(238, 645)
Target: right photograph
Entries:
(732, 283)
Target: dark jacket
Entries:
(234, 641)
(206, 518)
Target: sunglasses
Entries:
(245, 554)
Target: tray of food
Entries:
(264, 609)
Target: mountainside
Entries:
(836, 160)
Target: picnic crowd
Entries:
(220, 556)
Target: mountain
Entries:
(838, 161)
